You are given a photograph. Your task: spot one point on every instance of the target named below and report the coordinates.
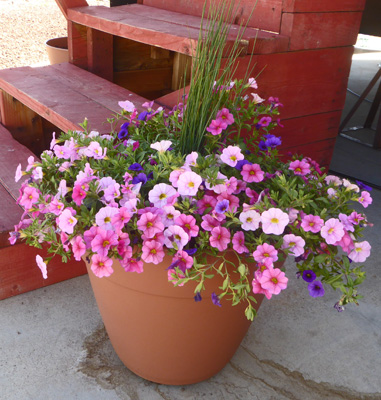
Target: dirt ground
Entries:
(25, 26)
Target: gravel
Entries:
(25, 26)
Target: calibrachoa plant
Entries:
(134, 196)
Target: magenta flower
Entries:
(79, 193)
(216, 127)
(274, 221)
(42, 266)
(252, 173)
(220, 238)
(209, 222)
(182, 260)
(67, 221)
(95, 150)
(152, 252)
(101, 265)
(19, 173)
(355, 218)
(265, 252)
(120, 219)
(312, 223)
(252, 83)
(56, 207)
(29, 197)
(239, 243)
(231, 155)
(361, 251)
(300, 167)
(169, 216)
(78, 246)
(132, 265)
(150, 224)
(332, 231)
(103, 241)
(188, 183)
(346, 243)
(188, 223)
(273, 280)
(365, 199)
(205, 203)
(295, 244)
(62, 152)
(175, 276)
(226, 117)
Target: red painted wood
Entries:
(100, 54)
(64, 94)
(64, 5)
(264, 14)
(77, 44)
(19, 272)
(306, 82)
(323, 5)
(12, 153)
(320, 30)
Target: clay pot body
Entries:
(57, 50)
(158, 330)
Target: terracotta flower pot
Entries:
(57, 50)
(160, 332)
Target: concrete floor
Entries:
(53, 345)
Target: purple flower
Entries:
(142, 177)
(174, 264)
(135, 167)
(216, 300)
(262, 145)
(339, 307)
(123, 133)
(362, 186)
(316, 289)
(191, 251)
(309, 276)
(273, 141)
(197, 297)
(143, 115)
(241, 163)
(150, 176)
(222, 206)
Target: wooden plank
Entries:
(64, 94)
(77, 44)
(19, 272)
(264, 14)
(12, 153)
(25, 124)
(100, 53)
(323, 5)
(306, 82)
(64, 5)
(182, 66)
(320, 30)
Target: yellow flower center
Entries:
(274, 220)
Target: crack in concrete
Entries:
(299, 383)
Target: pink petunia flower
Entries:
(332, 231)
(132, 265)
(152, 252)
(95, 150)
(346, 243)
(189, 224)
(250, 220)
(103, 241)
(220, 238)
(188, 183)
(365, 199)
(19, 173)
(209, 222)
(225, 116)
(42, 265)
(295, 244)
(216, 127)
(127, 105)
(231, 155)
(252, 83)
(78, 246)
(312, 223)
(161, 146)
(264, 252)
(160, 194)
(361, 251)
(101, 265)
(239, 243)
(252, 173)
(103, 217)
(176, 237)
(79, 193)
(150, 224)
(233, 201)
(300, 167)
(29, 197)
(121, 218)
(67, 221)
(274, 221)
(274, 280)
(169, 215)
(205, 203)
(182, 260)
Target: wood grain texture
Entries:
(77, 44)
(323, 5)
(264, 14)
(100, 54)
(321, 30)
(19, 272)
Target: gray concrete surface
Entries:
(53, 345)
